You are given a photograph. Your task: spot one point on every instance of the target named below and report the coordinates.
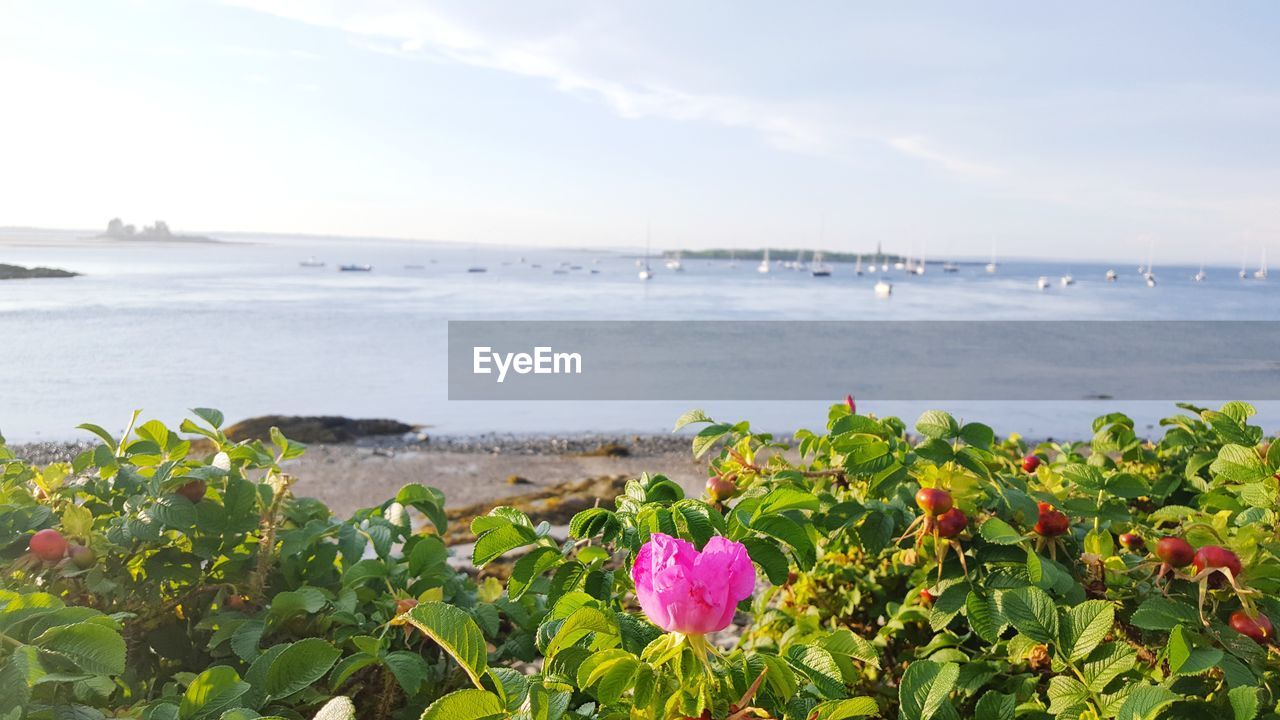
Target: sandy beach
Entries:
(469, 470)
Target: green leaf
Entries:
(585, 621)
(704, 440)
(984, 617)
(925, 687)
(504, 529)
(94, 648)
(999, 532)
(1144, 702)
(817, 664)
(209, 415)
(1084, 626)
(1239, 464)
(937, 424)
(212, 691)
(410, 669)
(466, 704)
(299, 665)
(1031, 611)
(841, 709)
(454, 630)
(995, 706)
(844, 642)
(768, 555)
(1244, 702)
(530, 567)
(1187, 659)
(978, 435)
(691, 417)
(1106, 663)
(1163, 614)
(609, 672)
(791, 533)
(1066, 693)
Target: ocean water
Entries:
(241, 326)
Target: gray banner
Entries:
(875, 360)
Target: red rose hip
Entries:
(934, 501)
(1217, 558)
(721, 488)
(926, 598)
(951, 523)
(1052, 523)
(1030, 463)
(1258, 627)
(1175, 552)
(48, 545)
(1132, 542)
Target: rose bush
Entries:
(866, 570)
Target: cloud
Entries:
(409, 30)
(919, 147)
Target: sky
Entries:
(1090, 130)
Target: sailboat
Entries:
(645, 273)
(1042, 283)
(1200, 276)
(918, 268)
(950, 267)
(1244, 263)
(733, 259)
(311, 262)
(1261, 273)
(991, 266)
(1150, 274)
(857, 267)
(883, 289)
(674, 263)
(763, 267)
(819, 268)
(1111, 276)
(1068, 280)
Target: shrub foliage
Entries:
(926, 573)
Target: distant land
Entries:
(17, 272)
(159, 232)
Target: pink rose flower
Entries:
(686, 591)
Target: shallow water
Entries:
(242, 327)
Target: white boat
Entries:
(763, 267)
(645, 273)
(311, 262)
(1042, 283)
(991, 266)
(355, 268)
(1244, 272)
(884, 267)
(1067, 280)
(799, 261)
(1261, 272)
(1151, 280)
(883, 289)
(918, 268)
(819, 268)
(857, 267)
(1200, 276)
(733, 259)
(1150, 273)
(950, 267)
(1111, 276)
(674, 264)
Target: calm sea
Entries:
(243, 327)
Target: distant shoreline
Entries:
(18, 272)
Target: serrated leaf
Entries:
(1107, 662)
(1144, 702)
(938, 425)
(1031, 611)
(1187, 659)
(1163, 614)
(842, 709)
(999, 532)
(211, 692)
(925, 688)
(1244, 702)
(468, 704)
(94, 648)
(454, 630)
(298, 666)
(1084, 626)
